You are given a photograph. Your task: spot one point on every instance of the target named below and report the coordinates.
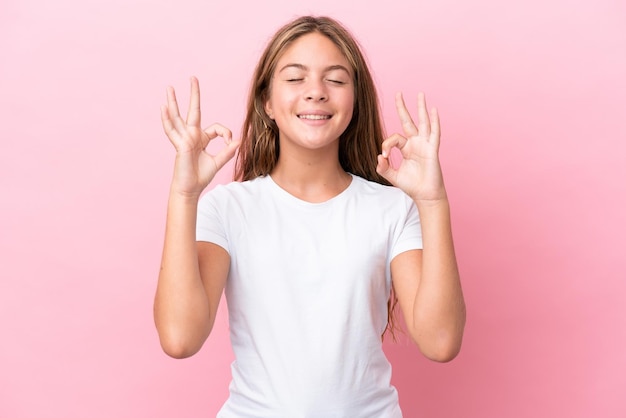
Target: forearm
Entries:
(439, 308)
(181, 308)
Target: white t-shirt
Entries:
(307, 296)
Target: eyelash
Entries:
(293, 80)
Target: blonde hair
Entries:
(359, 144)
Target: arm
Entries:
(192, 275)
(426, 281)
(190, 284)
(429, 290)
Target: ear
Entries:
(268, 109)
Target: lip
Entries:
(314, 113)
(314, 117)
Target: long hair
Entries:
(359, 144)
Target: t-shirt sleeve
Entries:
(410, 231)
(210, 224)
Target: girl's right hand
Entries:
(195, 167)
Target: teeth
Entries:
(314, 117)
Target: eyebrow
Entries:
(305, 68)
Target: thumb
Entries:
(226, 153)
(386, 170)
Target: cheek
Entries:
(351, 100)
(350, 105)
(280, 101)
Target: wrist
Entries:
(431, 197)
(437, 203)
(184, 196)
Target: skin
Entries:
(426, 281)
(312, 79)
(193, 274)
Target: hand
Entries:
(419, 173)
(195, 167)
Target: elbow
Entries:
(442, 352)
(177, 348)
(177, 351)
(440, 341)
(179, 344)
(180, 338)
(442, 345)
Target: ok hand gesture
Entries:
(194, 167)
(419, 173)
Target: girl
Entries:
(311, 240)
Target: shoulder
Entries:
(233, 197)
(380, 193)
(236, 189)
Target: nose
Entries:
(316, 91)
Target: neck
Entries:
(314, 177)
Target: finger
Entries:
(172, 104)
(386, 170)
(193, 115)
(395, 140)
(226, 153)
(423, 124)
(408, 126)
(173, 112)
(168, 124)
(435, 127)
(168, 127)
(216, 130)
(165, 120)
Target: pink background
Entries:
(533, 102)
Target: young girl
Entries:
(310, 242)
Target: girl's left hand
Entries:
(419, 173)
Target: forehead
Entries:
(313, 50)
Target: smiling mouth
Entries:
(314, 117)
